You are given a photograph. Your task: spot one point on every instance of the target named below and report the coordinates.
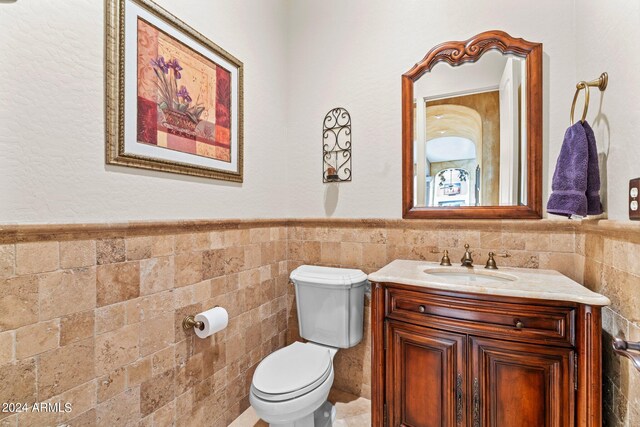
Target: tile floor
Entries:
(352, 411)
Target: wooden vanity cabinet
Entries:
(425, 375)
(521, 384)
(454, 359)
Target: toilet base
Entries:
(324, 416)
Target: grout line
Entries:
(14, 346)
(15, 259)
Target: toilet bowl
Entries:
(290, 386)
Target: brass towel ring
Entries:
(600, 83)
(580, 86)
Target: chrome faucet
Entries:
(466, 260)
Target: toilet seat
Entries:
(291, 372)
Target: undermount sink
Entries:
(469, 275)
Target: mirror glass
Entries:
(470, 133)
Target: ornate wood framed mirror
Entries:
(472, 130)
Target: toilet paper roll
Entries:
(214, 320)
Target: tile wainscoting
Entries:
(96, 322)
(610, 254)
(90, 314)
(369, 245)
(600, 254)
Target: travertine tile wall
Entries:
(612, 267)
(602, 255)
(369, 245)
(97, 323)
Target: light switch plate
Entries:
(634, 199)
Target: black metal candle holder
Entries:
(336, 146)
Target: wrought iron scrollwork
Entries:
(336, 146)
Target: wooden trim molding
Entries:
(377, 356)
(457, 53)
(589, 390)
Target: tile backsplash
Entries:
(91, 314)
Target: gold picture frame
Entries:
(122, 145)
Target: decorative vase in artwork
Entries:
(180, 123)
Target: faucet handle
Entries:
(466, 250)
(467, 260)
(445, 259)
(491, 263)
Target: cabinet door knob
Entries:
(519, 324)
(422, 309)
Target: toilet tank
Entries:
(330, 304)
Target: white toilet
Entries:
(291, 385)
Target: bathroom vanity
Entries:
(474, 347)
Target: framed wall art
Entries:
(174, 98)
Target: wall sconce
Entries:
(336, 146)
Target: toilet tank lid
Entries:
(339, 277)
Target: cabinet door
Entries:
(425, 376)
(520, 385)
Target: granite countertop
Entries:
(516, 282)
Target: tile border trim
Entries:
(19, 233)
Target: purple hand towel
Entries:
(594, 206)
(569, 185)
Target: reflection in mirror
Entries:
(470, 133)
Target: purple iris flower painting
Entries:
(160, 64)
(175, 66)
(184, 94)
(184, 98)
(171, 99)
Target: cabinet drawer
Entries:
(482, 315)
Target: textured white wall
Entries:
(607, 35)
(302, 57)
(52, 166)
(352, 54)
